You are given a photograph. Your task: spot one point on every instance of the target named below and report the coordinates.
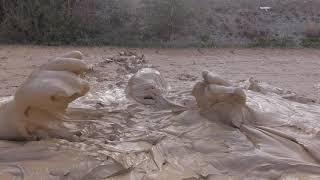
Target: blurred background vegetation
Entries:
(162, 23)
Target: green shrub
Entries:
(310, 42)
(273, 42)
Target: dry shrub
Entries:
(312, 30)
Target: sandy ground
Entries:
(292, 69)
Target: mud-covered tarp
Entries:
(126, 140)
(142, 142)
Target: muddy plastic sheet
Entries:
(126, 140)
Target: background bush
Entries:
(166, 23)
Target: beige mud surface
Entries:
(163, 144)
(292, 69)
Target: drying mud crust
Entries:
(43, 98)
(134, 124)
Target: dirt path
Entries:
(292, 69)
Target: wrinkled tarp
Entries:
(132, 141)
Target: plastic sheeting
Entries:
(276, 139)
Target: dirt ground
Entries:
(292, 69)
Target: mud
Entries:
(264, 137)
